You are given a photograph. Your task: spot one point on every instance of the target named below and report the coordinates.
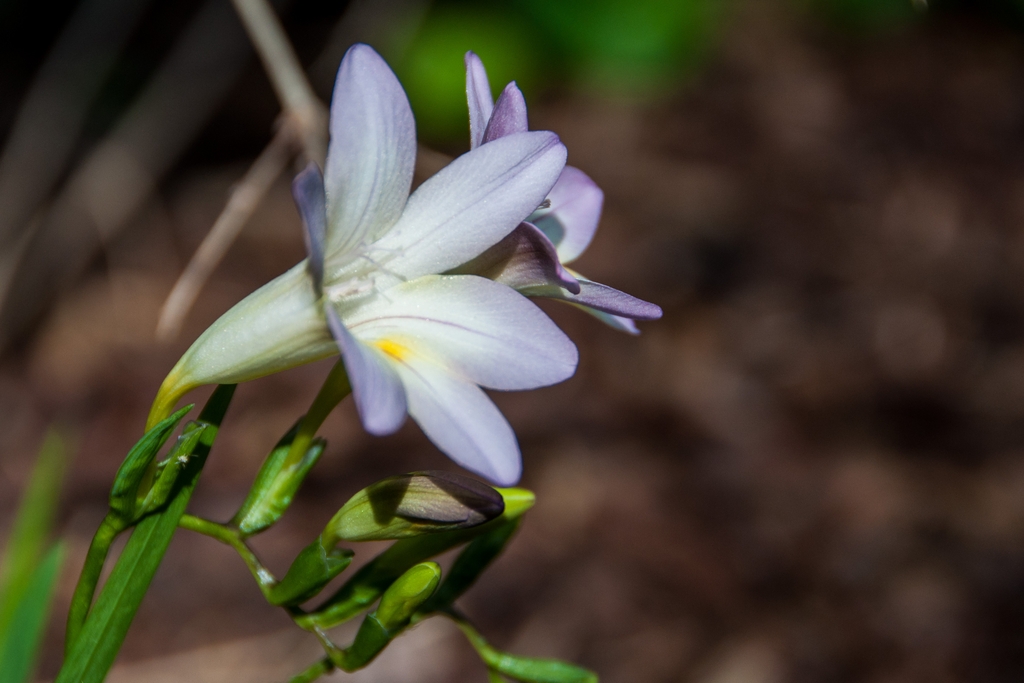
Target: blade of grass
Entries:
(32, 527)
(20, 648)
(96, 647)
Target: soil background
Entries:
(811, 469)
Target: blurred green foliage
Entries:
(31, 564)
(637, 47)
(867, 16)
(608, 47)
(433, 72)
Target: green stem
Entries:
(81, 600)
(230, 536)
(335, 388)
(324, 666)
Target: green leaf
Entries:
(359, 592)
(94, 650)
(124, 493)
(276, 485)
(526, 669)
(32, 527)
(470, 564)
(20, 647)
(313, 569)
(124, 509)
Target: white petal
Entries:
(371, 154)
(571, 220)
(471, 204)
(478, 94)
(462, 421)
(376, 388)
(481, 330)
(279, 326)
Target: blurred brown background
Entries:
(812, 469)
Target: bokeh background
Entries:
(812, 469)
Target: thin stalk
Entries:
(335, 388)
(81, 600)
(286, 74)
(324, 666)
(230, 536)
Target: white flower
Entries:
(414, 340)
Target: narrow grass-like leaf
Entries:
(32, 526)
(525, 669)
(470, 564)
(93, 652)
(20, 648)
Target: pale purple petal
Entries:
(371, 154)
(509, 115)
(616, 322)
(571, 219)
(471, 204)
(308, 191)
(480, 330)
(610, 300)
(478, 94)
(462, 421)
(524, 258)
(376, 388)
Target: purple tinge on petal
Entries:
(308, 191)
(524, 258)
(609, 300)
(371, 154)
(478, 94)
(574, 212)
(616, 322)
(472, 203)
(377, 390)
(509, 115)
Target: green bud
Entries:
(405, 595)
(276, 484)
(413, 504)
(172, 467)
(124, 494)
(396, 608)
(313, 569)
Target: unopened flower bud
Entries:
(413, 504)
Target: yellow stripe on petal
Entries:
(393, 348)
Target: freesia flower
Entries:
(531, 258)
(413, 339)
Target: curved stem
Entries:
(85, 589)
(324, 666)
(231, 537)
